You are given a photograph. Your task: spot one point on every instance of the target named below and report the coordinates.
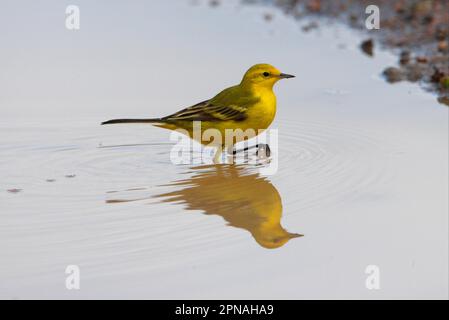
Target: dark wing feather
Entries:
(210, 110)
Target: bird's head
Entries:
(272, 239)
(263, 75)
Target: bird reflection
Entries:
(243, 198)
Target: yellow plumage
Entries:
(248, 105)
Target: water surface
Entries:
(361, 180)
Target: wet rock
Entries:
(444, 100)
(444, 82)
(415, 72)
(443, 46)
(421, 8)
(418, 26)
(422, 59)
(314, 5)
(399, 7)
(393, 74)
(50, 180)
(70, 175)
(405, 57)
(367, 47)
(268, 17)
(436, 76)
(214, 3)
(310, 26)
(428, 19)
(441, 32)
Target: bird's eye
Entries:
(266, 74)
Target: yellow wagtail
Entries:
(248, 106)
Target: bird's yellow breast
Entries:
(262, 114)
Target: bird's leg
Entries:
(217, 156)
(260, 147)
(230, 154)
(235, 151)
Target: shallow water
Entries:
(361, 176)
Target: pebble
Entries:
(14, 190)
(422, 59)
(367, 47)
(444, 82)
(441, 32)
(437, 75)
(268, 17)
(414, 72)
(393, 74)
(444, 100)
(443, 46)
(405, 57)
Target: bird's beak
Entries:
(295, 235)
(286, 76)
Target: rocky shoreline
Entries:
(416, 30)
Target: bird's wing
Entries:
(219, 108)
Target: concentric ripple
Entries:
(329, 162)
(100, 191)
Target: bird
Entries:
(249, 106)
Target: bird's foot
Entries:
(263, 150)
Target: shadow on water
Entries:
(244, 198)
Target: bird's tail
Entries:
(155, 120)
